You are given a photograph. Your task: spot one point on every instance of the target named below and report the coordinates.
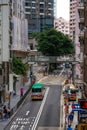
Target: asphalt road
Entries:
(39, 115)
(50, 118)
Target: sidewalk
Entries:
(13, 103)
(65, 119)
(15, 99)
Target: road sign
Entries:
(31, 63)
(76, 107)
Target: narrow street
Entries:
(49, 115)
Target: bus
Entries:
(37, 91)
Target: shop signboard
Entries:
(82, 115)
(76, 107)
(72, 97)
(82, 126)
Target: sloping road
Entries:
(50, 113)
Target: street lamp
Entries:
(31, 74)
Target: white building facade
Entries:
(74, 33)
(4, 47)
(20, 26)
(61, 25)
(73, 5)
(13, 36)
(4, 31)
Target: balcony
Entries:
(81, 20)
(81, 34)
(81, 6)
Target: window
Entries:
(41, 5)
(33, 4)
(33, 10)
(41, 11)
(27, 4)
(31, 46)
(27, 10)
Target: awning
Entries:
(71, 86)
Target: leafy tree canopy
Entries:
(53, 43)
(19, 67)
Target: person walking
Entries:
(76, 127)
(8, 110)
(70, 118)
(21, 92)
(69, 127)
(5, 112)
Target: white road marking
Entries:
(61, 72)
(22, 122)
(14, 127)
(27, 113)
(40, 110)
(22, 127)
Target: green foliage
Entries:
(53, 43)
(18, 66)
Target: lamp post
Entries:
(31, 74)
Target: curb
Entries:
(17, 109)
(10, 120)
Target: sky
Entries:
(62, 9)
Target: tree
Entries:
(19, 67)
(53, 43)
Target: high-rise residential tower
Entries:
(82, 9)
(60, 24)
(40, 14)
(74, 33)
(13, 41)
(73, 5)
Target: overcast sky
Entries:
(62, 9)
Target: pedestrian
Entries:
(69, 127)
(8, 110)
(21, 92)
(5, 112)
(70, 118)
(76, 127)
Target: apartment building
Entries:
(73, 6)
(61, 25)
(74, 34)
(13, 41)
(20, 26)
(4, 47)
(82, 9)
(40, 14)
